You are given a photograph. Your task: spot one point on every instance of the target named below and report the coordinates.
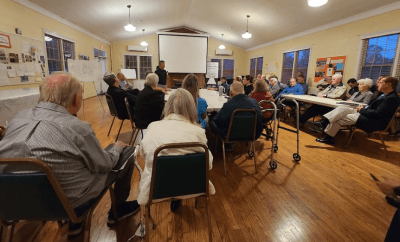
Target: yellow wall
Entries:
(32, 24)
(337, 41)
(120, 48)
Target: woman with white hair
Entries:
(179, 125)
(149, 103)
(364, 94)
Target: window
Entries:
(293, 63)
(54, 47)
(256, 65)
(378, 57)
(226, 67)
(141, 66)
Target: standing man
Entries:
(162, 74)
(123, 83)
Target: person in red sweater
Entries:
(261, 92)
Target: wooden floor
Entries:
(327, 196)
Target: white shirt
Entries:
(172, 129)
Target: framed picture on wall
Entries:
(5, 41)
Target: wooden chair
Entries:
(179, 177)
(38, 196)
(135, 130)
(242, 127)
(353, 129)
(114, 113)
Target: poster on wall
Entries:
(271, 68)
(5, 41)
(329, 66)
(212, 70)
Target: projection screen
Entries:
(183, 54)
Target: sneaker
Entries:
(75, 228)
(175, 205)
(124, 210)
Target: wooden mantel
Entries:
(178, 77)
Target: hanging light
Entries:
(316, 3)
(144, 43)
(130, 27)
(47, 38)
(222, 47)
(247, 35)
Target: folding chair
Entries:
(179, 177)
(353, 129)
(38, 196)
(135, 130)
(242, 127)
(114, 112)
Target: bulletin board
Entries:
(329, 66)
(271, 69)
(22, 60)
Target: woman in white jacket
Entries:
(179, 125)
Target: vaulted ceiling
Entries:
(269, 19)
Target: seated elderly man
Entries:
(119, 95)
(50, 132)
(123, 83)
(149, 103)
(335, 91)
(375, 116)
(220, 123)
(276, 86)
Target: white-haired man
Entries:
(220, 122)
(276, 86)
(52, 133)
(335, 91)
(149, 103)
(123, 83)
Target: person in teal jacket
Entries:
(294, 88)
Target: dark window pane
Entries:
(289, 59)
(253, 66)
(229, 68)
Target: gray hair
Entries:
(59, 88)
(181, 102)
(274, 79)
(338, 76)
(152, 80)
(366, 82)
(237, 88)
(109, 78)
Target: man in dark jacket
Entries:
(375, 116)
(149, 103)
(118, 95)
(220, 123)
(162, 74)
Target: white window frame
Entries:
(138, 61)
(48, 32)
(296, 50)
(222, 67)
(374, 35)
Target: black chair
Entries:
(242, 127)
(38, 196)
(114, 113)
(179, 177)
(135, 130)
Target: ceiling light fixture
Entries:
(222, 47)
(47, 38)
(247, 35)
(130, 27)
(316, 3)
(144, 43)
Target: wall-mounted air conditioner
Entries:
(223, 52)
(137, 48)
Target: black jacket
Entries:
(162, 76)
(248, 89)
(379, 113)
(119, 96)
(221, 121)
(148, 108)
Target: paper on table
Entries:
(11, 72)
(25, 47)
(20, 70)
(3, 75)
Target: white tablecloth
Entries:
(15, 100)
(333, 103)
(214, 101)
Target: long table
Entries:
(333, 103)
(214, 101)
(13, 101)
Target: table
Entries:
(13, 101)
(333, 103)
(214, 101)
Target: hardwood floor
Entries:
(327, 196)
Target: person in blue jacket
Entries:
(294, 88)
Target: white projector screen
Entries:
(183, 54)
